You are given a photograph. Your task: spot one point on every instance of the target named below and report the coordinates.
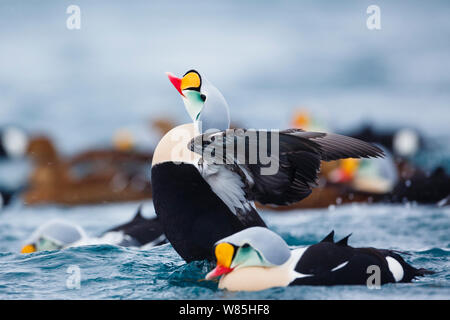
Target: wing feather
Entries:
(298, 158)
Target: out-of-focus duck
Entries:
(302, 119)
(403, 142)
(199, 201)
(387, 181)
(5, 197)
(94, 176)
(138, 138)
(60, 234)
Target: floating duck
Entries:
(60, 234)
(136, 137)
(13, 142)
(199, 202)
(373, 177)
(257, 259)
(302, 119)
(139, 232)
(93, 176)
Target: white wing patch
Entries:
(396, 268)
(227, 185)
(340, 266)
(296, 255)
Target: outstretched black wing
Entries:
(278, 167)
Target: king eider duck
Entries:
(199, 201)
(60, 234)
(257, 259)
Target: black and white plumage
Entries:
(186, 197)
(336, 263)
(199, 201)
(248, 267)
(5, 197)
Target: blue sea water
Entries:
(112, 272)
(267, 58)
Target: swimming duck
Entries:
(375, 181)
(199, 202)
(256, 259)
(59, 234)
(5, 197)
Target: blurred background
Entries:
(88, 106)
(267, 57)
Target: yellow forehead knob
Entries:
(349, 165)
(190, 80)
(224, 254)
(301, 120)
(29, 248)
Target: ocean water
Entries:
(112, 272)
(267, 58)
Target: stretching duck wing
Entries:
(278, 167)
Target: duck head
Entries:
(252, 247)
(204, 103)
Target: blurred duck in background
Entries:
(377, 177)
(257, 259)
(5, 197)
(351, 180)
(140, 138)
(60, 234)
(402, 142)
(13, 145)
(93, 176)
(13, 142)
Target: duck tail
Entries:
(422, 272)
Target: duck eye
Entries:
(203, 97)
(246, 245)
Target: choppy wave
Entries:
(112, 272)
